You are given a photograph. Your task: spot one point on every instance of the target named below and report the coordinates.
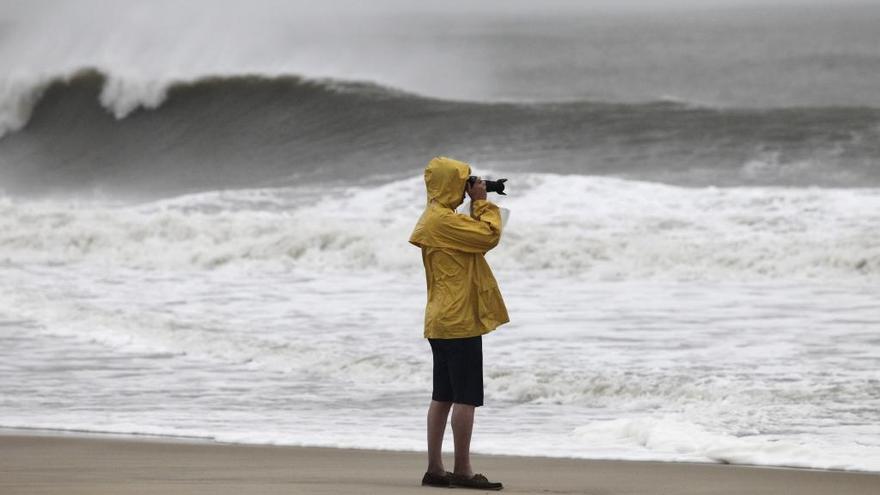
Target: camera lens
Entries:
(495, 186)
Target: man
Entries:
(463, 304)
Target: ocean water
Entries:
(205, 236)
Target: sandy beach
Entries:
(94, 465)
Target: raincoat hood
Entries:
(445, 179)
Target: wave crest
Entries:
(258, 130)
(121, 94)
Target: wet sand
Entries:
(32, 463)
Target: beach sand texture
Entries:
(62, 464)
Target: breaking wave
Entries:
(93, 132)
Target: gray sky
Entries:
(450, 6)
(574, 5)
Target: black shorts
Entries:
(458, 370)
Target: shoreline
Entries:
(54, 462)
(167, 438)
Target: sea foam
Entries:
(579, 226)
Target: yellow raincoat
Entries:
(463, 296)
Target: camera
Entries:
(495, 186)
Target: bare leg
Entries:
(438, 413)
(462, 427)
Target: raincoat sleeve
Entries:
(477, 233)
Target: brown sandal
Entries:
(477, 481)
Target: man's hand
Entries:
(477, 190)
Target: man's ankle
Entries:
(467, 473)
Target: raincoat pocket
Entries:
(490, 308)
(446, 267)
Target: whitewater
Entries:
(289, 316)
(203, 230)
